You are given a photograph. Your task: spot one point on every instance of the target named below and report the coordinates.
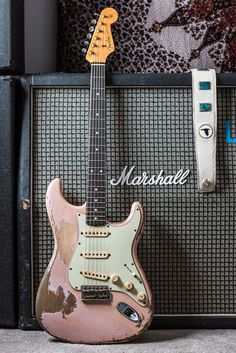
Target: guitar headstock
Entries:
(101, 41)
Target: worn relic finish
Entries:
(60, 310)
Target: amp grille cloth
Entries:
(188, 245)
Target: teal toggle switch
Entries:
(205, 107)
(204, 85)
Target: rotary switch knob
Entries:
(128, 286)
(141, 297)
(115, 278)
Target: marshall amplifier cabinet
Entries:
(8, 239)
(12, 35)
(28, 36)
(188, 246)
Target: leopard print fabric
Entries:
(153, 35)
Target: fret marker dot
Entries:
(97, 94)
(95, 209)
(97, 114)
(96, 189)
(91, 171)
(100, 171)
(96, 132)
(95, 218)
(96, 149)
(95, 200)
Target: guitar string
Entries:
(86, 266)
(98, 144)
(99, 153)
(105, 239)
(102, 122)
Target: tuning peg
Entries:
(84, 50)
(93, 21)
(86, 43)
(89, 36)
(91, 29)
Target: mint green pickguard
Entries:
(119, 245)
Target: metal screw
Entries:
(206, 184)
(25, 204)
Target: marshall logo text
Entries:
(180, 178)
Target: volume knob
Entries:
(115, 278)
(141, 297)
(128, 286)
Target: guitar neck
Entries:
(96, 176)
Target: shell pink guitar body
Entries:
(60, 309)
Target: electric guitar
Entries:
(94, 289)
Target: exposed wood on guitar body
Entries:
(60, 310)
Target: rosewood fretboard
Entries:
(96, 176)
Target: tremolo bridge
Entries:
(93, 293)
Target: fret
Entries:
(100, 200)
(98, 145)
(100, 128)
(96, 160)
(95, 180)
(96, 175)
(98, 109)
(98, 152)
(98, 119)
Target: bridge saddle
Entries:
(91, 294)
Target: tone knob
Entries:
(115, 278)
(141, 297)
(128, 286)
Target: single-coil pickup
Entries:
(97, 234)
(95, 275)
(95, 254)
